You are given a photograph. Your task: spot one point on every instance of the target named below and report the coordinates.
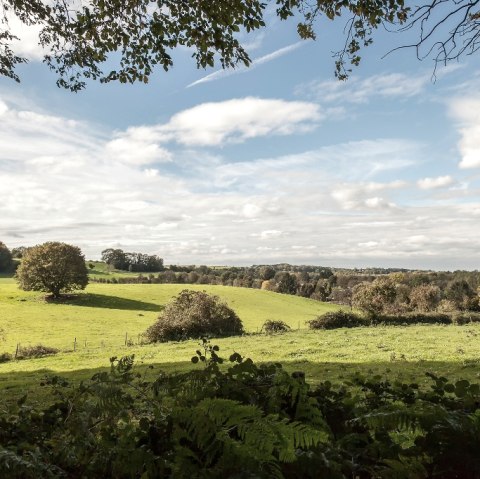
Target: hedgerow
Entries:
(338, 319)
(349, 319)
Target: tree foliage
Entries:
(242, 420)
(52, 267)
(82, 40)
(137, 262)
(193, 314)
(376, 297)
(5, 258)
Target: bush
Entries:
(38, 351)
(338, 319)
(272, 326)
(194, 314)
(5, 357)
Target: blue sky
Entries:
(276, 163)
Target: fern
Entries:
(25, 467)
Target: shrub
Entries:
(194, 314)
(337, 319)
(5, 357)
(38, 351)
(272, 326)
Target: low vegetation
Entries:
(213, 422)
(194, 314)
(338, 319)
(274, 326)
(37, 351)
(350, 319)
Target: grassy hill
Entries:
(105, 312)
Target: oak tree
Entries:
(52, 267)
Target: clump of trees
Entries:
(194, 314)
(6, 260)
(136, 262)
(54, 268)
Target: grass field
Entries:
(100, 317)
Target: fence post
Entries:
(16, 351)
(75, 344)
(126, 338)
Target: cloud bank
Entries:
(169, 189)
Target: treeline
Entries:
(134, 262)
(386, 292)
(9, 259)
(373, 290)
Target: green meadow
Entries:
(94, 326)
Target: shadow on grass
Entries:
(93, 300)
(15, 384)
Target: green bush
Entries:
(32, 352)
(274, 326)
(194, 314)
(239, 421)
(338, 319)
(5, 357)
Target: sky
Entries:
(279, 162)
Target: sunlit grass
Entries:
(100, 317)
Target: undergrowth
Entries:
(241, 419)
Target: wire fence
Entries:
(77, 344)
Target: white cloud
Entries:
(130, 149)
(269, 234)
(356, 90)
(239, 119)
(466, 111)
(339, 204)
(214, 124)
(378, 203)
(438, 182)
(353, 196)
(27, 44)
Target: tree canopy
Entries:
(5, 258)
(52, 267)
(81, 40)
